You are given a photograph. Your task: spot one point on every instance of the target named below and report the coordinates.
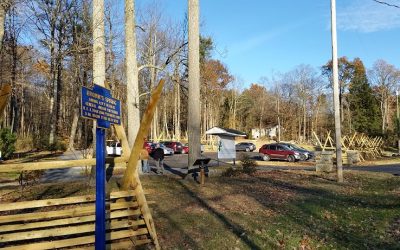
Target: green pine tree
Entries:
(363, 104)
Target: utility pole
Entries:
(279, 120)
(398, 121)
(194, 82)
(335, 77)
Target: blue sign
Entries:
(99, 105)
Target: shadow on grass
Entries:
(174, 171)
(303, 213)
(237, 230)
(176, 226)
(31, 156)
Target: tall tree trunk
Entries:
(99, 60)
(15, 89)
(178, 109)
(154, 130)
(382, 115)
(194, 82)
(2, 22)
(58, 88)
(153, 77)
(74, 125)
(53, 84)
(165, 120)
(279, 120)
(177, 102)
(131, 69)
(304, 120)
(299, 131)
(4, 6)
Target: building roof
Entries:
(225, 132)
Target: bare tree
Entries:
(386, 78)
(99, 59)
(131, 69)
(4, 7)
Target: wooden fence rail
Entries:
(70, 222)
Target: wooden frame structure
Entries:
(369, 146)
(70, 222)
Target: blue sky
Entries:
(262, 37)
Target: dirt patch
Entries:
(394, 229)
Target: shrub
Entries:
(248, 164)
(7, 142)
(57, 146)
(24, 143)
(231, 172)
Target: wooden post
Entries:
(128, 180)
(131, 176)
(202, 176)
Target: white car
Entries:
(114, 148)
(167, 151)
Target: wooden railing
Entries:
(70, 222)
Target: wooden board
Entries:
(78, 241)
(67, 221)
(64, 231)
(72, 212)
(17, 167)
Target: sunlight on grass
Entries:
(278, 210)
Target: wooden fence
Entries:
(70, 222)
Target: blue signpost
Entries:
(98, 104)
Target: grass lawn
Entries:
(278, 210)
(269, 210)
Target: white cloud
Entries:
(252, 43)
(258, 40)
(367, 16)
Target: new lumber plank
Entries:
(68, 221)
(17, 167)
(126, 244)
(78, 241)
(61, 201)
(64, 231)
(46, 203)
(78, 211)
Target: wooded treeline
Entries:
(46, 56)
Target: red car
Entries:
(279, 152)
(185, 149)
(148, 146)
(175, 145)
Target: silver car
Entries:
(245, 146)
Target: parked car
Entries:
(167, 150)
(308, 154)
(245, 146)
(185, 148)
(113, 148)
(175, 145)
(148, 146)
(279, 152)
